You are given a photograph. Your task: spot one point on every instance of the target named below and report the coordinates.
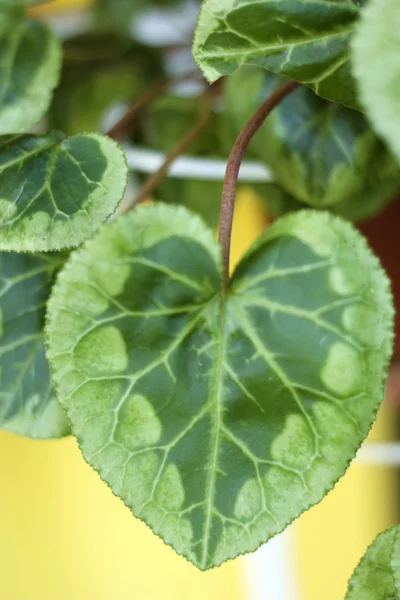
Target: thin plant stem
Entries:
(180, 147)
(122, 126)
(233, 168)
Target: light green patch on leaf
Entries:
(376, 65)
(29, 70)
(322, 153)
(377, 577)
(28, 405)
(307, 40)
(228, 416)
(56, 192)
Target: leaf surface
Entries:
(219, 420)
(56, 192)
(28, 405)
(320, 152)
(377, 577)
(377, 68)
(307, 40)
(29, 71)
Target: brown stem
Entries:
(182, 145)
(233, 167)
(158, 88)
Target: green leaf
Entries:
(100, 71)
(320, 152)
(377, 68)
(28, 405)
(30, 66)
(307, 40)
(219, 419)
(377, 577)
(56, 192)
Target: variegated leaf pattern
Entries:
(29, 69)
(322, 153)
(56, 192)
(28, 405)
(308, 40)
(377, 577)
(219, 418)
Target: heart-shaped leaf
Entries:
(307, 40)
(56, 192)
(28, 405)
(320, 152)
(219, 419)
(377, 577)
(30, 67)
(377, 43)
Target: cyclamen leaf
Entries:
(377, 43)
(218, 420)
(307, 40)
(56, 192)
(30, 68)
(377, 577)
(28, 405)
(321, 152)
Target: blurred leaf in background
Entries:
(100, 72)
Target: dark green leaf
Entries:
(377, 577)
(30, 65)
(320, 152)
(307, 40)
(56, 192)
(28, 405)
(219, 419)
(377, 67)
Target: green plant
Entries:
(218, 407)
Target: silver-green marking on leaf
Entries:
(218, 421)
(28, 404)
(56, 192)
(377, 43)
(307, 40)
(321, 152)
(29, 70)
(377, 577)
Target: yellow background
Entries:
(64, 536)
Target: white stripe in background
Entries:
(145, 160)
(380, 453)
(270, 572)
